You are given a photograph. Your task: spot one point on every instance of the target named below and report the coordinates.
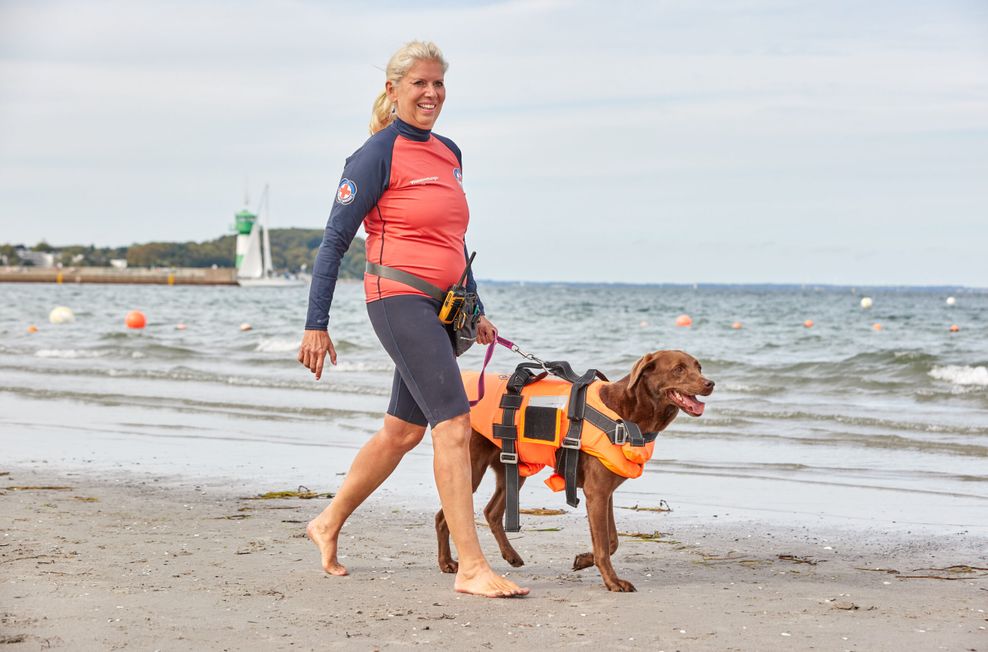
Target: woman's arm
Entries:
(365, 177)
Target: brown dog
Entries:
(659, 386)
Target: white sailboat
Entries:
(255, 268)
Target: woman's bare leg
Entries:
(451, 462)
(375, 461)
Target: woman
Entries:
(404, 185)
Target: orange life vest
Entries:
(542, 423)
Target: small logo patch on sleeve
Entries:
(459, 175)
(346, 192)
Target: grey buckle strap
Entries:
(619, 432)
(411, 280)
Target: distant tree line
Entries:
(291, 249)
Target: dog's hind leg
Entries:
(494, 513)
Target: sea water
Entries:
(842, 422)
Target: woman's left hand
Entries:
(486, 331)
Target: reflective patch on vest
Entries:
(540, 423)
(559, 402)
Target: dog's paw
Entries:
(448, 566)
(514, 559)
(621, 586)
(583, 560)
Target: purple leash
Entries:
(508, 344)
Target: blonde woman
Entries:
(405, 185)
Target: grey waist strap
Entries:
(411, 280)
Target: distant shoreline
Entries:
(112, 275)
(227, 276)
(752, 286)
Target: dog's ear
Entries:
(644, 364)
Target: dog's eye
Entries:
(679, 369)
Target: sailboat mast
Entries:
(268, 266)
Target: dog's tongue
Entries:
(695, 406)
(689, 403)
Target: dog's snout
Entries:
(708, 385)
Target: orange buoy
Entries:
(954, 328)
(808, 323)
(736, 325)
(876, 326)
(684, 320)
(180, 326)
(32, 329)
(135, 319)
(246, 327)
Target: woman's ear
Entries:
(389, 89)
(644, 364)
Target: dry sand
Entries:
(122, 562)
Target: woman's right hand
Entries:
(312, 352)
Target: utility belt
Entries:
(459, 310)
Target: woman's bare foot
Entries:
(487, 583)
(325, 540)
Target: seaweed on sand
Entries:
(302, 492)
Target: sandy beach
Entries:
(121, 561)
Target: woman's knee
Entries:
(402, 435)
(455, 431)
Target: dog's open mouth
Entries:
(687, 403)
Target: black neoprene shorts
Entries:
(427, 387)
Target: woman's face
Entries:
(420, 94)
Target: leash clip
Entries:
(529, 356)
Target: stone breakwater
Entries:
(147, 276)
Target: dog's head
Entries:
(670, 378)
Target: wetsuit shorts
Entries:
(427, 387)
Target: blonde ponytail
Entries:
(383, 114)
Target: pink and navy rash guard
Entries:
(405, 185)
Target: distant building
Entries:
(36, 258)
(118, 263)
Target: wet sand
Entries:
(121, 561)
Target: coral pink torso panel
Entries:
(418, 223)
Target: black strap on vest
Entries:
(574, 435)
(404, 277)
(620, 432)
(507, 432)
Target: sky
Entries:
(738, 141)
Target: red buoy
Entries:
(135, 319)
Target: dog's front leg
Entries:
(494, 513)
(598, 505)
(586, 559)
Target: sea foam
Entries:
(276, 345)
(959, 375)
(68, 353)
